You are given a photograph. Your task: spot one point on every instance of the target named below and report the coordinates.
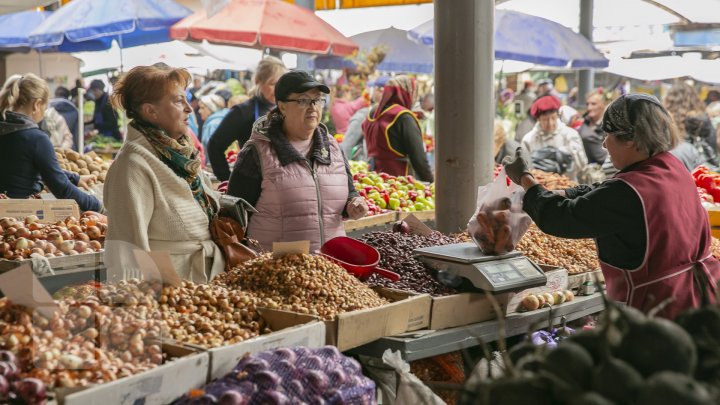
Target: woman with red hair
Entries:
(392, 132)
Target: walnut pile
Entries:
(575, 255)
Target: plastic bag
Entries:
(410, 390)
(499, 220)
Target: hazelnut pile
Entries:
(575, 255)
(553, 181)
(302, 283)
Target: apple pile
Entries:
(384, 192)
(21, 238)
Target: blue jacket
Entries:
(210, 125)
(27, 160)
(68, 111)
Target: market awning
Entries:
(335, 4)
(667, 67)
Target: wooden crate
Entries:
(85, 260)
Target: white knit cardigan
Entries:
(152, 209)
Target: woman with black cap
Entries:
(294, 172)
(652, 234)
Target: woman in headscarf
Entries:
(157, 197)
(393, 135)
(652, 234)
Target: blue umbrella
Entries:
(92, 25)
(528, 38)
(403, 55)
(15, 29)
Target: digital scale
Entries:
(497, 274)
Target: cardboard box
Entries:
(298, 330)
(161, 385)
(406, 312)
(557, 279)
(463, 309)
(714, 216)
(576, 280)
(92, 260)
(47, 211)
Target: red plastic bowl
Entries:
(358, 258)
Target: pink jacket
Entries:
(342, 110)
(299, 202)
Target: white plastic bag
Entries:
(499, 220)
(410, 390)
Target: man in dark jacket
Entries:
(62, 104)
(591, 130)
(104, 119)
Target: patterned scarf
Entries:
(620, 116)
(181, 156)
(398, 90)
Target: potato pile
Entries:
(575, 255)
(301, 283)
(89, 163)
(553, 181)
(21, 238)
(532, 302)
(631, 359)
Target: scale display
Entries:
(504, 273)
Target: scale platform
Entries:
(498, 274)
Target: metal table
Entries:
(423, 344)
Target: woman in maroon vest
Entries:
(392, 132)
(652, 234)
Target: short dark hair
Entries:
(62, 92)
(97, 84)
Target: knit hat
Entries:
(544, 104)
(213, 102)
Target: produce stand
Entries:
(382, 222)
(427, 343)
(68, 269)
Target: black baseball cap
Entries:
(297, 81)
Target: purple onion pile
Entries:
(16, 390)
(286, 376)
(396, 250)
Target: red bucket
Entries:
(358, 258)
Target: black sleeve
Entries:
(407, 133)
(610, 208)
(578, 191)
(57, 180)
(73, 177)
(246, 178)
(352, 193)
(225, 134)
(110, 119)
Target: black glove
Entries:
(516, 168)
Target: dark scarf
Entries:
(181, 156)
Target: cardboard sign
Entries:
(285, 248)
(21, 287)
(47, 211)
(418, 227)
(157, 266)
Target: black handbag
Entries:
(551, 159)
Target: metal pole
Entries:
(40, 64)
(586, 76)
(81, 120)
(465, 109)
(303, 59)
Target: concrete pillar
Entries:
(586, 76)
(464, 54)
(303, 60)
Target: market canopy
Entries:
(265, 24)
(15, 29)
(667, 67)
(403, 55)
(335, 4)
(527, 38)
(90, 25)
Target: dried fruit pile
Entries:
(20, 239)
(89, 163)
(553, 181)
(301, 283)
(575, 255)
(396, 255)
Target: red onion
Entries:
(4, 387)
(31, 391)
(8, 370)
(233, 398)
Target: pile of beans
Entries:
(301, 283)
(396, 255)
(575, 255)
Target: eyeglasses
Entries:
(307, 102)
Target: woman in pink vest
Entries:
(652, 234)
(294, 172)
(393, 135)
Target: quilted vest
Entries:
(298, 202)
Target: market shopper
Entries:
(238, 123)
(652, 234)
(212, 111)
(158, 198)
(392, 132)
(591, 131)
(552, 145)
(293, 171)
(682, 99)
(105, 119)
(27, 157)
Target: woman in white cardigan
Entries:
(156, 195)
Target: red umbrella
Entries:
(265, 24)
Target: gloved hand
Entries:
(517, 167)
(356, 208)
